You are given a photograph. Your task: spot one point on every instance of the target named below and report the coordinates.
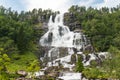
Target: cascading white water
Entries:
(59, 35)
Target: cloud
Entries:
(57, 5)
(64, 5)
(99, 4)
(86, 3)
(108, 3)
(61, 5)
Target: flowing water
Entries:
(59, 35)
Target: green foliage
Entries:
(4, 76)
(79, 65)
(116, 41)
(16, 29)
(7, 76)
(21, 61)
(20, 33)
(24, 38)
(95, 73)
(103, 29)
(34, 66)
(94, 63)
(4, 61)
(112, 65)
(100, 25)
(109, 68)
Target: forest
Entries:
(20, 33)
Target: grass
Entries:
(20, 61)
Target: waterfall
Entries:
(61, 41)
(59, 35)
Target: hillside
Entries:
(21, 48)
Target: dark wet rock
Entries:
(89, 48)
(98, 60)
(73, 58)
(54, 71)
(43, 54)
(75, 50)
(22, 73)
(56, 53)
(50, 35)
(87, 57)
(43, 50)
(75, 26)
(102, 57)
(51, 69)
(63, 52)
(60, 31)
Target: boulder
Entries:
(54, 74)
(22, 73)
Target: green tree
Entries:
(24, 38)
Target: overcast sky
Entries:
(61, 5)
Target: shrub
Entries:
(79, 65)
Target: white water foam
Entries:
(59, 35)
